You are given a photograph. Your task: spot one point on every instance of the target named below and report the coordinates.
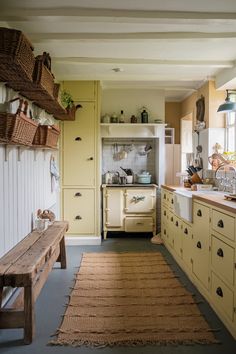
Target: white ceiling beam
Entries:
(189, 63)
(45, 37)
(21, 13)
(226, 79)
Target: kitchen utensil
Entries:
(129, 179)
(122, 180)
(128, 171)
(144, 178)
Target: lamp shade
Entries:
(227, 106)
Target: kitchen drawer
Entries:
(79, 210)
(164, 215)
(201, 217)
(137, 224)
(140, 200)
(224, 224)
(222, 259)
(222, 296)
(164, 197)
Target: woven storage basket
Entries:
(46, 136)
(42, 75)
(17, 128)
(16, 56)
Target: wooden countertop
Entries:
(216, 199)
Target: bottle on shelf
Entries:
(121, 117)
(144, 116)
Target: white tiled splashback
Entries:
(136, 159)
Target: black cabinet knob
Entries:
(90, 159)
(219, 292)
(164, 212)
(78, 138)
(171, 219)
(176, 223)
(199, 212)
(220, 252)
(220, 224)
(78, 217)
(78, 194)
(199, 245)
(186, 231)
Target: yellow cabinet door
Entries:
(222, 296)
(187, 245)
(139, 200)
(113, 202)
(80, 90)
(79, 148)
(201, 258)
(79, 210)
(177, 236)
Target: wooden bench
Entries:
(27, 266)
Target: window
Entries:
(230, 132)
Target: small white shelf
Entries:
(138, 130)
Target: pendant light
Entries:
(228, 106)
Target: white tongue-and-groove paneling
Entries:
(25, 186)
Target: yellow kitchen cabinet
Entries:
(177, 236)
(208, 252)
(77, 210)
(187, 244)
(80, 162)
(79, 148)
(201, 242)
(129, 209)
(81, 90)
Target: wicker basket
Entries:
(46, 136)
(16, 56)
(17, 128)
(42, 75)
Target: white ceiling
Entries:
(169, 45)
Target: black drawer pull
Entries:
(164, 212)
(199, 245)
(78, 106)
(90, 159)
(165, 232)
(78, 194)
(78, 217)
(172, 201)
(78, 138)
(171, 219)
(220, 224)
(176, 223)
(186, 231)
(199, 212)
(164, 196)
(219, 292)
(220, 252)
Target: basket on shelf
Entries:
(69, 113)
(17, 128)
(46, 136)
(16, 56)
(42, 74)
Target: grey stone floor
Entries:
(51, 305)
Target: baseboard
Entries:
(83, 240)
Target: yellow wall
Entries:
(175, 111)
(172, 118)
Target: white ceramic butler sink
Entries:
(183, 204)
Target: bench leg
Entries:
(29, 323)
(62, 257)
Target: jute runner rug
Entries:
(130, 299)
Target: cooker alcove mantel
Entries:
(128, 130)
